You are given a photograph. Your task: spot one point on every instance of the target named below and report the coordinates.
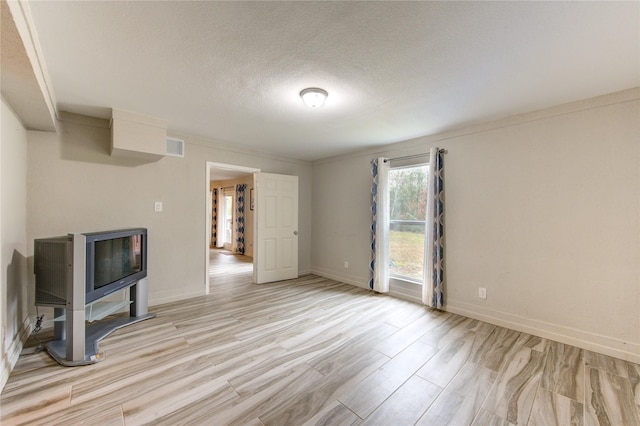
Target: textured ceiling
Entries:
(232, 71)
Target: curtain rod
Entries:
(407, 157)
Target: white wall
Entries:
(74, 185)
(13, 275)
(542, 210)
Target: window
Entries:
(228, 219)
(407, 220)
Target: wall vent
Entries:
(175, 147)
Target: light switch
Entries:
(158, 206)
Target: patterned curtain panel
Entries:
(240, 197)
(433, 288)
(379, 265)
(214, 218)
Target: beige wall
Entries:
(14, 305)
(542, 210)
(74, 185)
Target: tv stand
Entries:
(76, 343)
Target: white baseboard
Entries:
(397, 291)
(161, 300)
(10, 358)
(169, 298)
(344, 278)
(579, 338)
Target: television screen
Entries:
(116, 258)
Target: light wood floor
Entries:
(315, 351)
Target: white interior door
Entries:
(276, 238)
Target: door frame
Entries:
(207, 235)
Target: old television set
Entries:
(74, 272)
(113, 260)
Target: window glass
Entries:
(408, 212)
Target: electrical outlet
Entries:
(482, 293)
(346, 264)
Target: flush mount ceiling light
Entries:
(313, 97)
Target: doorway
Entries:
(223, 229)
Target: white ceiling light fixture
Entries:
(313, 97)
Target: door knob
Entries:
(295, 232)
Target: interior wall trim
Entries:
(343, 278)
(10, 358)
(162, 299)
(627, 351)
